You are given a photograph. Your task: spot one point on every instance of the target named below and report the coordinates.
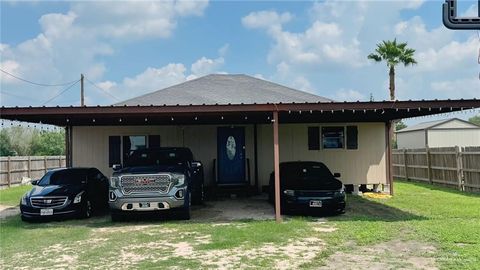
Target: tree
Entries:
(5, 144)
(49, 144)
(400, 125)
(475, 119)
(393, 53)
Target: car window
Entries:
(152, 157)
(64, 177)
(304, 175)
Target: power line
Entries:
(35, 83)
(102, 90)
(65, 90)
(17, 96)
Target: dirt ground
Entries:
(232, 212)
(7, 211)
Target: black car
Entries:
(66, 192)
(307, 186)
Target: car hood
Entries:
(55, 190)
(151, 169)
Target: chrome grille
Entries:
(159, 183)
(48, 202)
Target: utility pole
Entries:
(82, 93)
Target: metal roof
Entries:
(431, 124)
(221, 89)
(376, 111)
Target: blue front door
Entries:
(231, 155)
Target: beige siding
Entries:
(455, 124)
(90, 144)
(452, 137)
(366, 165)
(411, 139)
(362, 166)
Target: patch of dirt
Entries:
(8, 211)
(395, 254)
(253, 208)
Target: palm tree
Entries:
(393, 54)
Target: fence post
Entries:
(29, 167)
(405, 163)
(9, 181)
(459, 168)
(59, 161)
(429, 165)
(45, 164)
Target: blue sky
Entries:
(130, 48)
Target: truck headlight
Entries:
(178, 179)
(289, 192)
(78, 198)
(23, 201)
(114, 181)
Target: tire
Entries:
(199, 196)
(117, 216)
(25, 219)
(87, 209)
(184, 213)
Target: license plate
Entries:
(144, 205)
(46, 212)
(315, 203)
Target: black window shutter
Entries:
(153, 141)
(113, 150)
(127, 146)
(352, 137)
(313, 138)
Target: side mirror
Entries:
(34, 182)
(196, 164)
(116, 167)
(337, 174)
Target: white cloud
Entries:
(266, 19)
(472, 11)
(204, 66)
(348, 95)
(458, 88)
(74, 42)
(11, 67)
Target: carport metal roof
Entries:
(374, 111)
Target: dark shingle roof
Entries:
(224, 89)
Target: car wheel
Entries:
(25, 219)
(184, 213)
(86, 209)
(117, 216)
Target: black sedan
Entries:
(66, 192)
(307, 186)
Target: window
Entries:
(333, 137)
(352, 137)
(114, 150)
(313, 138)
(131, 143)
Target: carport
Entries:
(278, 118)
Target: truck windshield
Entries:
(146, 157)
(64, 177)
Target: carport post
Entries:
(276, 166)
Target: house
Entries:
(240, 128)
(441, 133)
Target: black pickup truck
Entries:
(157, 179)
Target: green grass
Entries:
(11, 196)
(444, 218)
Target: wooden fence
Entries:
(17, 170)
(449, 166)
